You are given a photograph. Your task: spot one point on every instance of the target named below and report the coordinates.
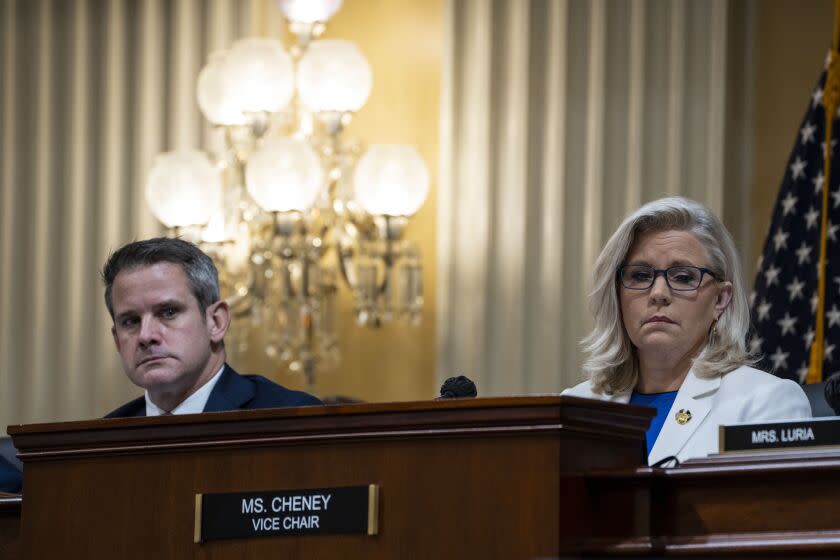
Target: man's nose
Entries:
(149, 331)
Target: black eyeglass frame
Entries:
(664, 272)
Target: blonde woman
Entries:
(671, 318)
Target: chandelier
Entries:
(290, 208)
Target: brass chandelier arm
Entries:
(390, 231)
(347, 255)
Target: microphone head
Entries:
(458, 387)
(831, 391)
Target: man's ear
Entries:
(218, 321)
(724, 298)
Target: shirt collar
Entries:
(193, 404)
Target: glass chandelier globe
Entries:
(215, 98)
(309, 11)
(260, 75)
(391, 180)
(284, 175)
(334, 75)
(181, 188)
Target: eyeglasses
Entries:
(678, 278)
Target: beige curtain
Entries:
(91, 91)
(559, 117)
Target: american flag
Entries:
(784, 300)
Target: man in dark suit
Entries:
(10, 477)
(169, 328)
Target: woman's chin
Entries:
(658, 342)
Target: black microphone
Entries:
(457, 387)
(832, 392)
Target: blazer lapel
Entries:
(231, 392)
(695, 397)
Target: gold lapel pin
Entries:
(683, 416)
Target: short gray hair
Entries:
(199, 268)
(612, 363)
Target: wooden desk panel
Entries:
(10, 506)
(484, 478)
(538, 477)
(772, 505)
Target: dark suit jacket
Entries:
(10, 477)
(234, 392)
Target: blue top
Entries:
(662, 402)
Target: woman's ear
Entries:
(724, 298)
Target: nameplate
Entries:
(780, 435)
(315, 511)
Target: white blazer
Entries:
(742, 395)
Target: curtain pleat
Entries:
(43, 213)
(9, 332)
(509, 205)
(543, 322)
(148, 132)
(75, 357)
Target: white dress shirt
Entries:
(193, 404)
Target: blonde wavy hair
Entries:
(612, 364)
